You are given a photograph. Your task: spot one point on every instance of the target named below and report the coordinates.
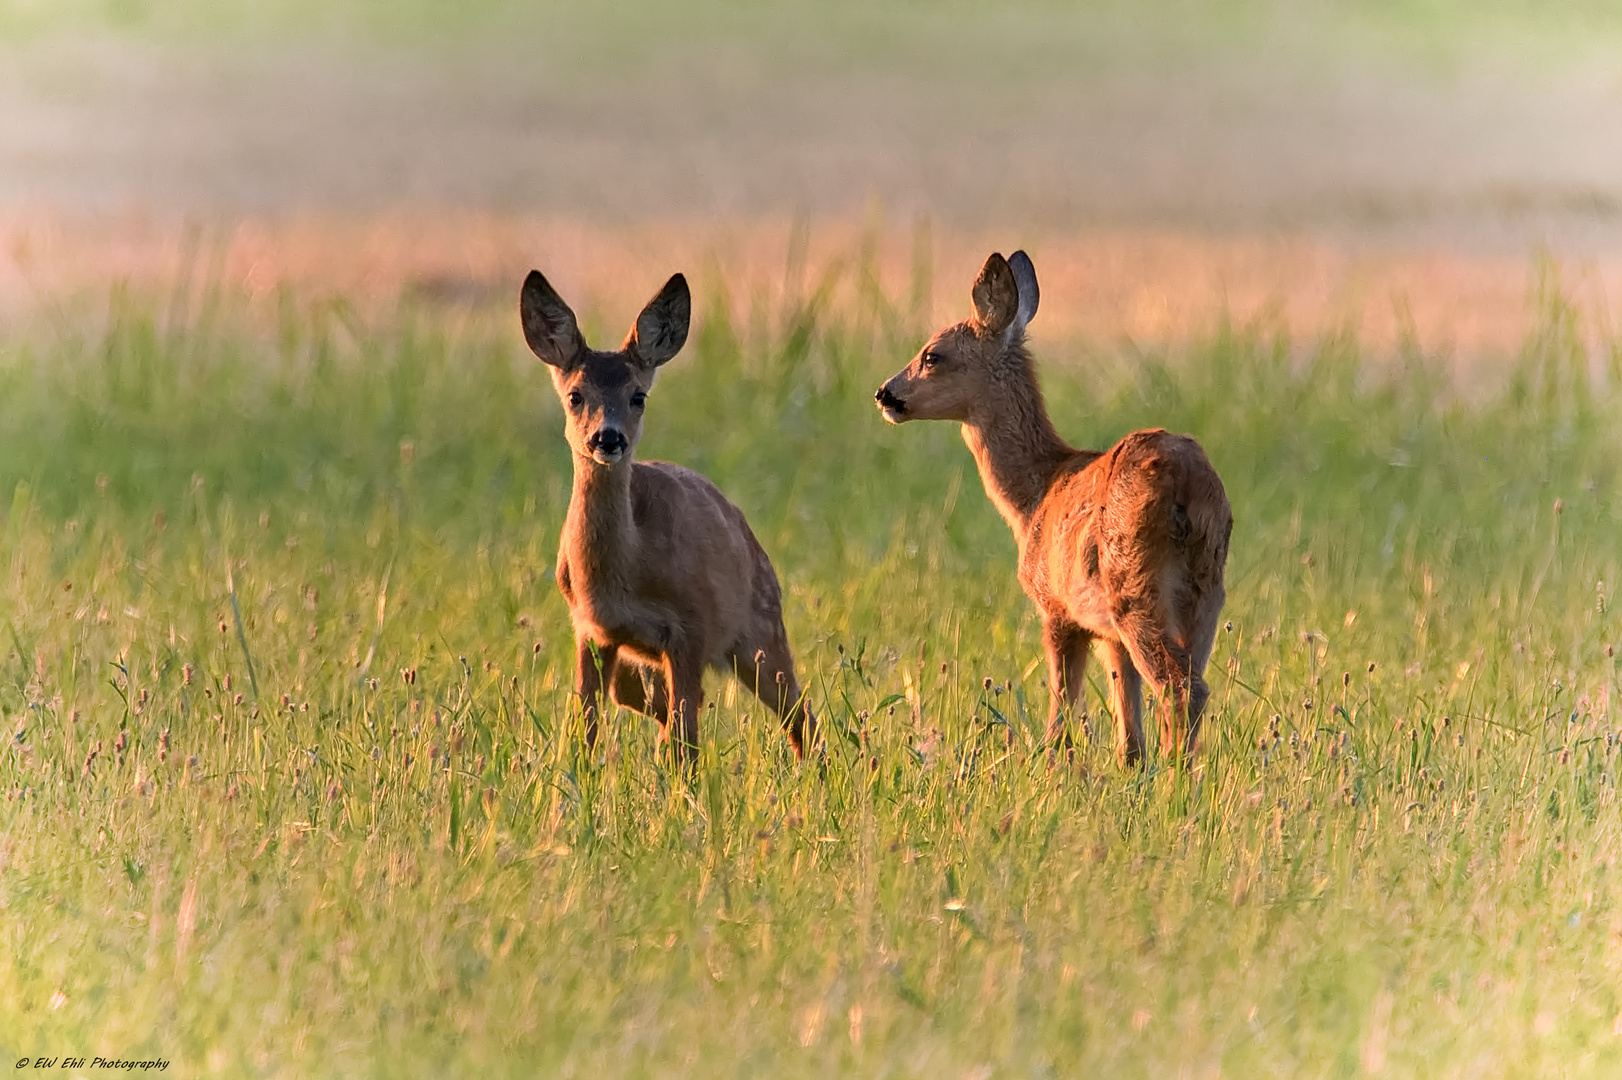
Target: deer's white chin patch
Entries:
(608, 459)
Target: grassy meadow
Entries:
(292, 782)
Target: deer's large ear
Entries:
(996, 297)
(1025, 281)
(661, 330)
(549, 325)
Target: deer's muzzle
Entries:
(893, 408)
(608, 445)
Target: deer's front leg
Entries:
(594, 669)
(684, 675)
(1126, 701)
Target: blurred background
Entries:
(1402, 169)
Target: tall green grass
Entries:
(293, 786)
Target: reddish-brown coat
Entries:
(661, 572)
(1124, 548)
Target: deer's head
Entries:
(603, 393)
(959, 365)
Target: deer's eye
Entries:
(575, 400)
(929, 360)
(638, 400)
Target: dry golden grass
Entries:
(1152, 287)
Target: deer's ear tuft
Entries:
(996, 297)
(549, 326)
(661, 330)
(1025, 281)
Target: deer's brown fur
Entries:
(662, 574)
(1124, 548)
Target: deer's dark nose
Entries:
(608, 441)
(888, 401)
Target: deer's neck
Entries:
(600, 528)
(1014, 443)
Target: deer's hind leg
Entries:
(1166, 665)
(1066, 645)
(642, 688)
(766, 667)
(1203, 619)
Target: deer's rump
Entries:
(1145, 523)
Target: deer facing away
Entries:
(661, 573)
(1124, 548)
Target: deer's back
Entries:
(1146, 519)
